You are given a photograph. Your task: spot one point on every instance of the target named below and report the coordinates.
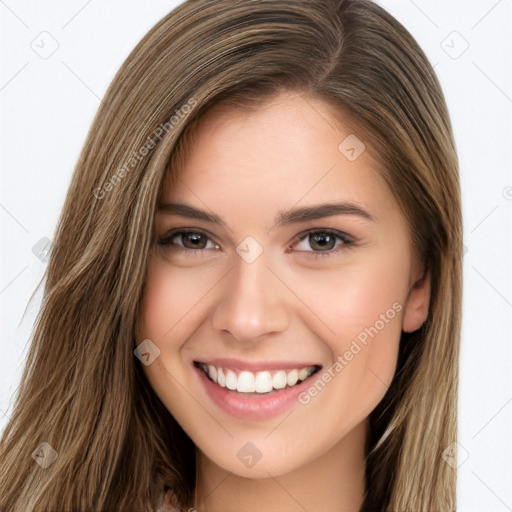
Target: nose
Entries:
(253, 302)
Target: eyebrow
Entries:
(295, 215)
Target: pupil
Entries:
(324, 241)
(194, 238)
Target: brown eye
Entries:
(189, 240)
(192, 240)
(321, 243)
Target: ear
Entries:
(417, 305)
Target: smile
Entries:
(254, 391)
(256, 382)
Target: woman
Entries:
(254, 295)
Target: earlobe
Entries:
(417, 305)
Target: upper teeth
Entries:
(259, 382)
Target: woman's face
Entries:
(257, 282)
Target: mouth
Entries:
(256, 382)
(254, 392)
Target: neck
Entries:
(333, 481)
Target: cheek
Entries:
(172, 301)
(349, 299)
(362, 305)
(168, 315)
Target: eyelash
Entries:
(347, 242)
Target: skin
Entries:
(246, 166)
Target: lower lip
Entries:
(253, 407)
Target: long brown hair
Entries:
(83, 391)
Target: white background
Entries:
(47, 106)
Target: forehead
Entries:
(290, 151)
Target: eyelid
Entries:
(330, 231)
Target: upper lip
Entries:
(255, 366)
